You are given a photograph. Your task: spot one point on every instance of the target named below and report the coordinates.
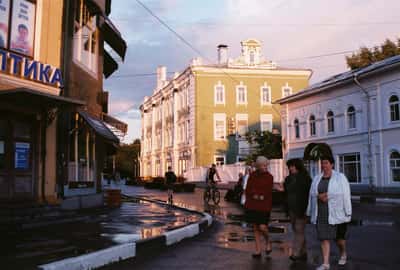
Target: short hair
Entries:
(213, 165)
(261, 160)
(169, 168)
(23, 26)
(328, 158)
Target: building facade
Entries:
(201, 115)
(49, 96)
(357, 114)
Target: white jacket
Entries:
(339, 199)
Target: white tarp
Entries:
(229, 173)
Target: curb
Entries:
(378, 200)
(130, 250)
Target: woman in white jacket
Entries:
(329, 207)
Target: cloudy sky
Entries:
(290, 30)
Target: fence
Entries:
(229, 173)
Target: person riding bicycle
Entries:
(210, 181)
(170, 179)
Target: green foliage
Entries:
(366, 56)
(125, 157)
(266, 144)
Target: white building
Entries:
(357, 113)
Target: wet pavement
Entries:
(135, 219)
(374, 240)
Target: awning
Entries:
(112, 36)
(26, 97)
(109, 64)
(100, 128)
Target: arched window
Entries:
(312, 125)
(395, 166)
(331, 121)
(351, 117)
(296, 128)
(394, 108)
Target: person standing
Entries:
(258, 203)
(297, 187)
(329, 207)
(170, 179)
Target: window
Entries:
(266, 122)
(252, 58)
(296, 128)
(330, 121)
(219, 126)
(286, 90)
(219, 94)
(394, 108)
(312, 125)
(241, 95)
(17, 21)
(265, 95)
(241, 125)
(219, 160)
(351, 117)
(85, 38)
(395, 166)
(350, 166)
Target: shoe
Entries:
(302, 257)
(323, 267)
(256, 255)
(343, 260)
(268, 251)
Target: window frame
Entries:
(219, 117)
(262, 100)
(241, 117)
(238, 102)
(312, 125)
(285, 87)
(351, 124)
(216, 101)
(342, 164)
(394, 108)
(266, 118)
(330, 121)
(396, 160)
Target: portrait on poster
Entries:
(23, 27)
(4, 19)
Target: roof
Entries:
(343, 78)
(99, 127)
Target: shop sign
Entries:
(22, 155)
(26, 68)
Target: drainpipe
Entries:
(371, 184)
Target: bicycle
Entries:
(213, 193)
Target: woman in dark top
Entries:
(258, 203)
(297, 187)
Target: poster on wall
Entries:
(4, 19)
(22, 155)
(23, 27)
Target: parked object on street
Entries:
(330, 208)
(113, 197)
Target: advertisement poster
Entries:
(4, 18)
(22, 155)
(23, 27)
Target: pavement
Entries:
(373, 243)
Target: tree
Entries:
(265, 144)
(366, 56)
(125, 157)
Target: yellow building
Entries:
(201, 115)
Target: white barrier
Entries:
(229, 173)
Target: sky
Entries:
(290, 31)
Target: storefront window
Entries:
(17, 25)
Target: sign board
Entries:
(22, 150)
(4, 19)
(23, 27)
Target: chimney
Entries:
(222, 54)
(161, 76)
